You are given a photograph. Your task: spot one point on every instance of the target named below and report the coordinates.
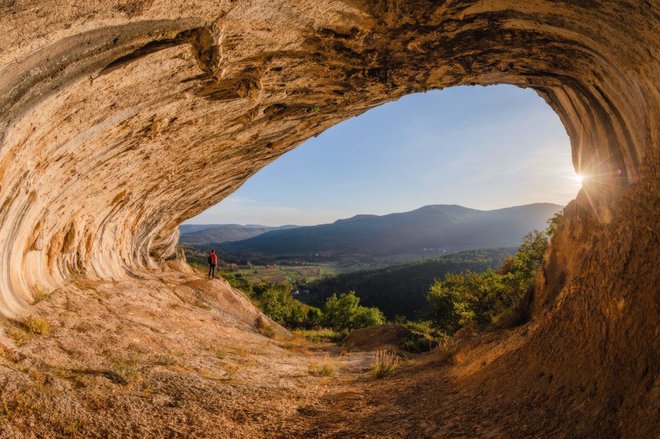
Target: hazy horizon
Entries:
(368, 214)
(480, 147)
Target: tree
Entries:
(451, 302)
(339, 311)
(314, 317)
(276, 302)
(344, 312)
(468, 298)
(553, 223)
(366, 317)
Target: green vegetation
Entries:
(423, 337)
(344, 312)
(320, 335)
(471, 293)
(276, 301)
(248, 273)
(340, 313)
(272, 273)
(401, 290)
(491, 297)
(236, 280)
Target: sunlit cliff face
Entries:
(119, 120)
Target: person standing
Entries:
(213, 261)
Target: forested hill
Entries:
(429, 230)
(195, 234)
(402, 289)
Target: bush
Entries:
(365, 317)
(469, 298)
(345, 312)
(276, 302)
(423, 337)
(319, 335)
(237, 281)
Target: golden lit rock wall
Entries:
(119, 120)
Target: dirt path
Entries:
(178, 356)
(443, 394)
(170, 356)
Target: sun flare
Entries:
(579, 179)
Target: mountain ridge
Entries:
(426, 231)
(199, 234)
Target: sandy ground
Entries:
(176, 355)
(171, 356)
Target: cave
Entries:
(120, 120)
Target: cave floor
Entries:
(179, 356)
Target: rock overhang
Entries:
(119, 121)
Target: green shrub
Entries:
(491, 297)
(236, 280)
(276, 302)
(423, 337)
(344, 312)
(365, 317)
(319, 335)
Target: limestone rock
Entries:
(119, 120)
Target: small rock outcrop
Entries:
(119, 120)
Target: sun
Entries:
(579, 179)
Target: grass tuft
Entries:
(322, 335)
(165, 360)
(385, 363)
(264, 327)
(326, 369)
(203, 305)
(35, 325)
(17, 335)
(39, 296)
(124, 370)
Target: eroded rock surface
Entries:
(119, 120)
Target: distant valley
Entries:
(201, 234)
(401, 289)
(374, 240)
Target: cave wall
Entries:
(119, 120)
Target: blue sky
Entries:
(480, 147)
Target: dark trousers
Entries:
(211, 271)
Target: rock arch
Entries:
(121, 119)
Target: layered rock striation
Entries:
(119, 120)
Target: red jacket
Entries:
(213, 257)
